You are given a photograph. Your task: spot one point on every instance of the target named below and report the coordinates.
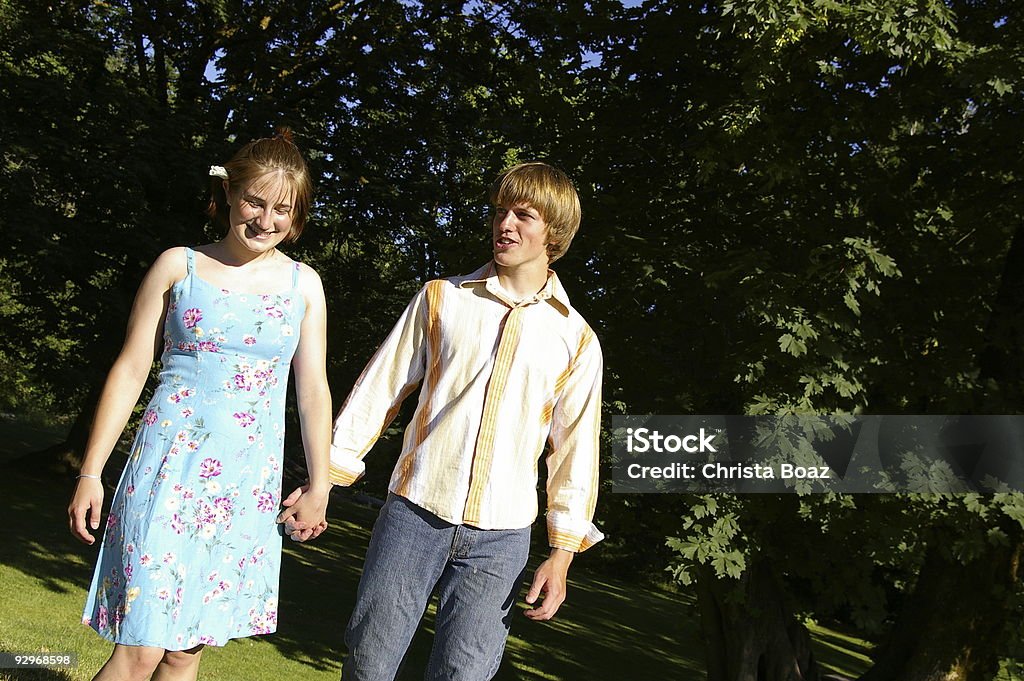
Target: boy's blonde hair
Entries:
(550, 192)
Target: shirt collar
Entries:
(552, 291)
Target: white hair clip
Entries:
(218, 171)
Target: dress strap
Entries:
(295, 276)
(190, 259)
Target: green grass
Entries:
(607, 629)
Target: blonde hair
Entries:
(256, 159)
(550, 192)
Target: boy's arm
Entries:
(393, 372)
(573, 462)
(572, 477)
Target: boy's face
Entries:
(520, 236)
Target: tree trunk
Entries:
(749, 633)
(64, 458)
(158, 38)
(1000, 360)
(138, 40)
(952, 625)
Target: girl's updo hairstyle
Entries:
(277, 154)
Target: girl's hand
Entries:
(87, 501)
(305, 514)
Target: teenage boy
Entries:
(507, 365)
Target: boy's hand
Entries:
(549, 580)
(305, 512)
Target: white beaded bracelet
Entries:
(91, 477)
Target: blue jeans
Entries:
(477, 574)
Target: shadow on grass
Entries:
(35, 675)
(605, 625)
(318, 580)
(35, 537)
(844, 644)
(840, 654)
(318, 587)
(607, 628)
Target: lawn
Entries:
(608, 628)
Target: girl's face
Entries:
(261, 212)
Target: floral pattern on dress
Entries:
(191, 548)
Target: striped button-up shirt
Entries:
(500, 378)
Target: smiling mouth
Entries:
(258, 233)
(504, 242)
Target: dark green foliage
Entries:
(788, 207)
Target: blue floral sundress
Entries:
(191, 551)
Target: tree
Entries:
(789, 207)
(787, 204)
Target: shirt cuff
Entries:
(571, 534)
(346, 467)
